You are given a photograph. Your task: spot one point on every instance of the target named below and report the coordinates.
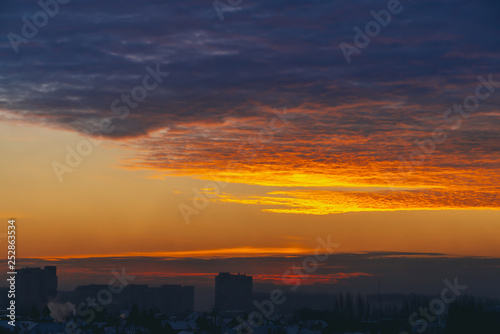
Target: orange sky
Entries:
(105, 207)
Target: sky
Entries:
(139, 133)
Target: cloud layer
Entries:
(266, 96)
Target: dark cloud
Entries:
(266, 54)
(275, 53)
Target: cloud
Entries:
(402, 272)
(330, 202)
(274, 54)
(351, 123)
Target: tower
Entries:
(233, 292)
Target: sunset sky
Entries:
(259, 140)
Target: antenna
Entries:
(379, 300)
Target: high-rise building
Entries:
(176, 299)
(167, 299)
(233, 292)
(35, 286)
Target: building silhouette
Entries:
(170, 300)
(35, 286)
(233, 292)
(176, 299)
